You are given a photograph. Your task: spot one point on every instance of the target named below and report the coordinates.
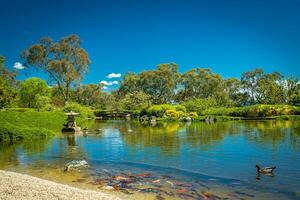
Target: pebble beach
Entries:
(24, 187)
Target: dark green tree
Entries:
(32, 90)
(8, 92)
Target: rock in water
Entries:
(76, 165)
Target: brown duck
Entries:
(265, 170)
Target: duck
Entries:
(265, 170)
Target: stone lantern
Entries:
(71, 126)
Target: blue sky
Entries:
(230, 36)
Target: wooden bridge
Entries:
(113, 114)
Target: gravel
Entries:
(20, 186)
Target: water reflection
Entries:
(169, 136)
(225, 149)
(11, 153)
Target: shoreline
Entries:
(21, 186)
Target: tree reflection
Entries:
(273, 132)
(170, 136)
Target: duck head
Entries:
(257, 167)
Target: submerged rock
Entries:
(76, 165)
(159, 197)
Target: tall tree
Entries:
(135, 101)
(200, 83)
(65, 61)
(160, 83)
(88, 94)
(270, 89)
(8, 92)
(292, 88)
(249, 82)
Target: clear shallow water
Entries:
(197, 157)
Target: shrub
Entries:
(159, 110)
(199, 105)
(180, 108)
(9, 132)
(17, 125)
(254, 111)
(180, 113)
(49, 120)
(171, 113)
(83, 111)
(192, 114)
(43, 102)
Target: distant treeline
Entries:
(66, 62)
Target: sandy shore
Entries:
(21, 186)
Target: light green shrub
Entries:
(200, 105)
(84, 112)
(192, 114)
(171, 113)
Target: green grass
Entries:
(254, 111)
(30, 124)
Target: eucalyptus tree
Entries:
(64, 61)
(159, 84)
(200, 83)
(249, 81)
(270, 89)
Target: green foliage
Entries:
(174, 114)
(43, 103)
(84, 112)
(26, 123)
(254, 111)
(32, 93)
(8, 93)
(180, 108)
(91, 95)
(199, 105)
(136, 101)
(192, 114)
(9, 132)
(295, 98)
(159, 84)
(65, 61)
(171, 113)
(159, 110)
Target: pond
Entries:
(170, 160)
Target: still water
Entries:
(170, 160)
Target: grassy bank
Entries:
(18, 124)
(254, 111)
(201, 112)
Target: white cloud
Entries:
(114, 75)
(109, 82)
(18, 65)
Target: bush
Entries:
(159, 110)
(180, 108)
(84, 112)
(254, 111)
(49, 120)
(171, 113)
(30, 124)
(9, 132)
(199, 105)
(192, 114)
(43, 102)
(180, 114)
